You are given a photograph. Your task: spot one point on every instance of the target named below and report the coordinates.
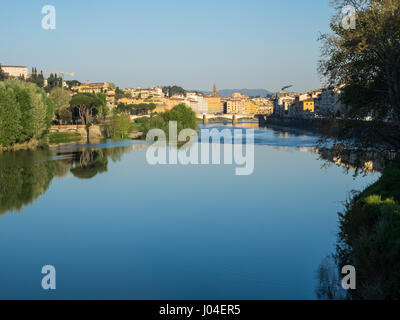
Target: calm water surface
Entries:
(116, 227)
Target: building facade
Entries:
(16, 71)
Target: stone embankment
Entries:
(94, 132)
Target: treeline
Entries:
(173, 90)
(26, 112)
(136, 109)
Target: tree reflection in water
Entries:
(26, 175)
(369, 229)
(89, 163)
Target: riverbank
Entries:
(369, 237)
(29, 145)
(323, 127)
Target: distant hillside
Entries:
(247, 92)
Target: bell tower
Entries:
(215, 92)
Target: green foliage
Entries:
(25, 112)
(37, 78)
(185, 117)
(72, 83)
(61, 99)
(366, 60)
(26, 175)
(85, 106)
(370, 237)
(24, 178)
(103, 109)
(10, 117)
(2, 74)
(119, 94)
(118, 127)
(63, 137)
(136, 109)
(90, 163)
(173, 90)
(53, 81)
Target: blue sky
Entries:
(237, 44)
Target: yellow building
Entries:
(308, 105)
(265, 108)
(251, 107)
(126, 101)
(235, 106)
(98, 87)
(214, 104)
(173, 101)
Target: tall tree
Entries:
(61, 99)
(86, 105)
(10, 116)
(365, 61)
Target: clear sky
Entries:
(236, 44)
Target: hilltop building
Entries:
(98, 87)
(16, 71)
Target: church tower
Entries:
(215, 92)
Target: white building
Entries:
(16, 71)
(331, 103)
(197, 103)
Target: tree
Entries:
(10, 116)
(53, 81)
(103, 109)
(182, 114)
(3, 76)
(61, 99)
(136, 109)
(72, 83)
(25, 112)
(36, 78)
(119, 94)
(365, 62)
(173, 90)
(86, 105)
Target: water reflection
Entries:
(26, 175)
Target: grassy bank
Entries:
(63, 137)
(369, 237)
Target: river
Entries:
(116, 227)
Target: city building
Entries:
(251, 107)
(98, 87)
(145, 93)
(235, 106)
(197, 103)
(264, 106)
(330, 102)
(215, 104)
(16, 71)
